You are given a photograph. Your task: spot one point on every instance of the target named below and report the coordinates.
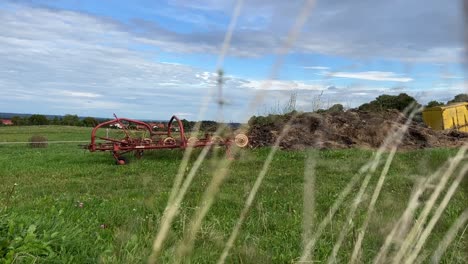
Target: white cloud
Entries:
(316, 67)
(450, 76)
(208, 77)
(182, 114)
(408, 31)
(78, 104)
(67, 61)
(278, 85)
(335, 28)
(371, 76)
(76, 94)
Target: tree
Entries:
(459, 98)
(188, 125)
(38, 120)
(434, 104)
(208, 126)
(71, 120)
(384, 102)
(56, 121)
(16, 120)
(19, 121)
(90, 122)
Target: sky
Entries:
(150, 59)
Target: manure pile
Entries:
(346, 130)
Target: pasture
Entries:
(61, 204)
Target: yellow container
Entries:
(453, 116)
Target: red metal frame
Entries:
(128, 144)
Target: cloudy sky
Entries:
(149, 59)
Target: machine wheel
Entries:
(147, 141)
(241, 140)
(192, 141)
(169, 141)
(121, 161)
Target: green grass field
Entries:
(61, 204)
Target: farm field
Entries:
(61, 204)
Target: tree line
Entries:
(67, 120)
(74, 120)
(402, 101)
(398, 102)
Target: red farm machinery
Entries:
(123, 135)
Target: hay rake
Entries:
(123, 135)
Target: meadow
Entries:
(62, 204)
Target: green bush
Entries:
(434, 104)
(90, 122)
(38, 120)
(336, 108)
(20, 121)
(385, 102)
(71, 120)
(22, 243)
(459, 98)
(270, 120)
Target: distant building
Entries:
(157, 125)
(116, 125)
(7, 122)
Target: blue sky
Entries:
(151, 59)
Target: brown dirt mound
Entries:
(345, 130)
